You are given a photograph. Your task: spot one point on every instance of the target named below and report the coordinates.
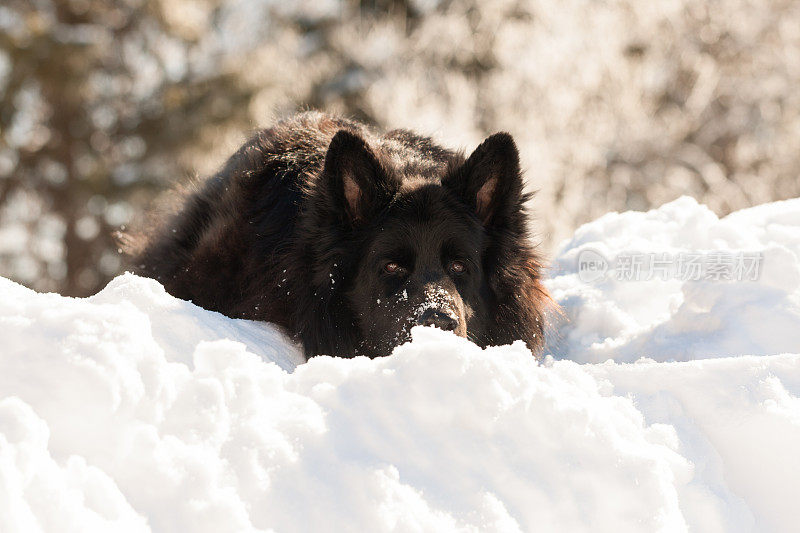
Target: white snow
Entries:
(680, 320)
(134, 411)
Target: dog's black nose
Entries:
(440, 319)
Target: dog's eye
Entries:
(457, 267)
(393, 268)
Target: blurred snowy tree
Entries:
(97, 97)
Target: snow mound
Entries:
(668, 314)
(134, 411)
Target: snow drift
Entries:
(134, 411)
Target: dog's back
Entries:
(202, 247)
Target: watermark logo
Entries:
(592, 266)
(684, 266)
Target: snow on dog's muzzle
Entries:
(440, 309)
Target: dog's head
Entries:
(424, 245)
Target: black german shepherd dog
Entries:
(347, 239)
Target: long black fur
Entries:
(281, 233)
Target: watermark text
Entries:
(684, 266)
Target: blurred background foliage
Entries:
(615, 104)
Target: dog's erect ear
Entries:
(490, 180)
(356, 180)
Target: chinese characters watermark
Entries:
(683, 266)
